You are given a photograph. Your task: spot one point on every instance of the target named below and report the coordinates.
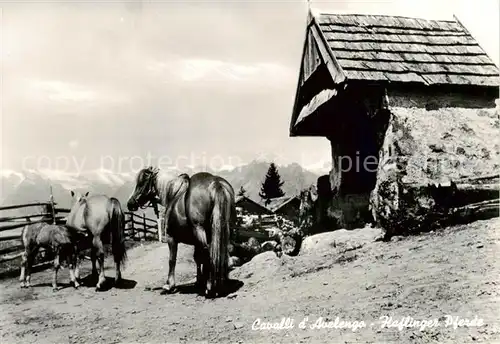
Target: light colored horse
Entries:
(103, 218)
(58, 240)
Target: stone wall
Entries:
(423, 147)
(421, 136)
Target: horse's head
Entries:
(145, 189)
(78, 200)
(78, 197)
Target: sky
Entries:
(118, 84)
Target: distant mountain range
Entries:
(34, 185)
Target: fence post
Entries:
(132, 227)
(52, 206)
(144, 224)
(159, 229)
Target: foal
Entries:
(57, 239)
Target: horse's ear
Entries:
(72, 193)
(87, 194)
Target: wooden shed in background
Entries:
(355, 68)
(249, 206)
(285, 206)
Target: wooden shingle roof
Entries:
(400, 49)
(279, 202)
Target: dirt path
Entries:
(452, 272)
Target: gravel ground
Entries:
(452, 272)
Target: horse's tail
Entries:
(222, 213)
(24, 235)
(117, 232)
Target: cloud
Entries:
(68, 94)
(212, 70)
(59, 91)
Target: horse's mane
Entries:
(170, 186)
(72, 220)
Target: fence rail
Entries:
(17, 206)
(137, 226)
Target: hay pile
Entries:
(424, 147)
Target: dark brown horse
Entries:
(102, 218)
(60, 241)
(199, 211)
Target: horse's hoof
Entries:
(167, 289)
(76, 284)
(54, 289)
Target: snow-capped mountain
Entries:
(18, 187)
(10, 180)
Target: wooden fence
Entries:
(137, 227)
(140, 227)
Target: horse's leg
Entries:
(97, 243)
(76, 266)
(24, 263)
(201, 237)
(172, 247)
(93, 257)
(29, 264)
(56, 268)
(73, 270)
(198, 258)
(77, 269)
(118, 273)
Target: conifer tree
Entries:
(271, 187)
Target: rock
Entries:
(341, 239)
(288, 244)
(437, 147)
(253, 242)
(232, 296)
(245, 252)
(234, 262)
(261, 267)
(460, 150)
(401, 202)
(237, 325)
(229, 319)
(269, 245)
(480, 246)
